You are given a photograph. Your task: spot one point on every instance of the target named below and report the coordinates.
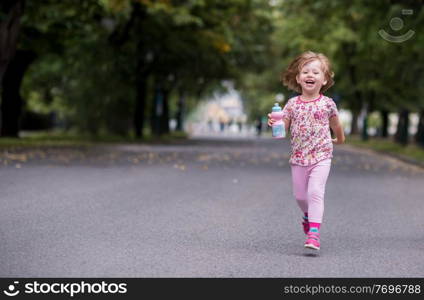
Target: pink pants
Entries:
(309, 188)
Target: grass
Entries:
(411, 151)
(60, 139)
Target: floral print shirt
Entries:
(310, 135)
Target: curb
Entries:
(401, 158)
(405, 159)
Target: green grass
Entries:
(411, 151)
(60, 139)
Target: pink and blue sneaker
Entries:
(312, 239)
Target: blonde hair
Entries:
(288, 77)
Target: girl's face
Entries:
(311, 77)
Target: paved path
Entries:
(203, 208)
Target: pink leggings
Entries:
(309, 188)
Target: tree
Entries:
(10, 13)
(371, 73)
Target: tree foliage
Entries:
(110, 65)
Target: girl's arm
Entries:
(337, 128)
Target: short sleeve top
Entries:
(310, 135)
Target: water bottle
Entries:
(278, 130)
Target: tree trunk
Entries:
(164, 118)
(364, 133)
(11, 105)
(180, 110)
(11, 11)
(385, 123)
(140, 105)
(419, 136)
(401, 135)
(354, 125)
(157, 110)
(118, 38)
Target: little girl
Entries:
(309, 117)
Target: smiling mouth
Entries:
(310, 82)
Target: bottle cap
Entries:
(276, 107)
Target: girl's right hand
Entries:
(270, 120)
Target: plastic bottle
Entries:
(278, 130)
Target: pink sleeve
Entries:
(287, 111)
(333, 109)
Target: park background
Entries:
(133, 140)
(139, 70)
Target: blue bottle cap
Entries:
(276, 107)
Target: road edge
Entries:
(400, 158)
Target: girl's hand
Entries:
(336, 141)
(270, 120)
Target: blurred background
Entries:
(137, 69)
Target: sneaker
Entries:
(305, 224)
(312, 240)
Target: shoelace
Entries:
(313, 236)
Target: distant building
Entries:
(220, 114)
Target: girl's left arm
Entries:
(337, 128)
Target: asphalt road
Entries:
(203, 208)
